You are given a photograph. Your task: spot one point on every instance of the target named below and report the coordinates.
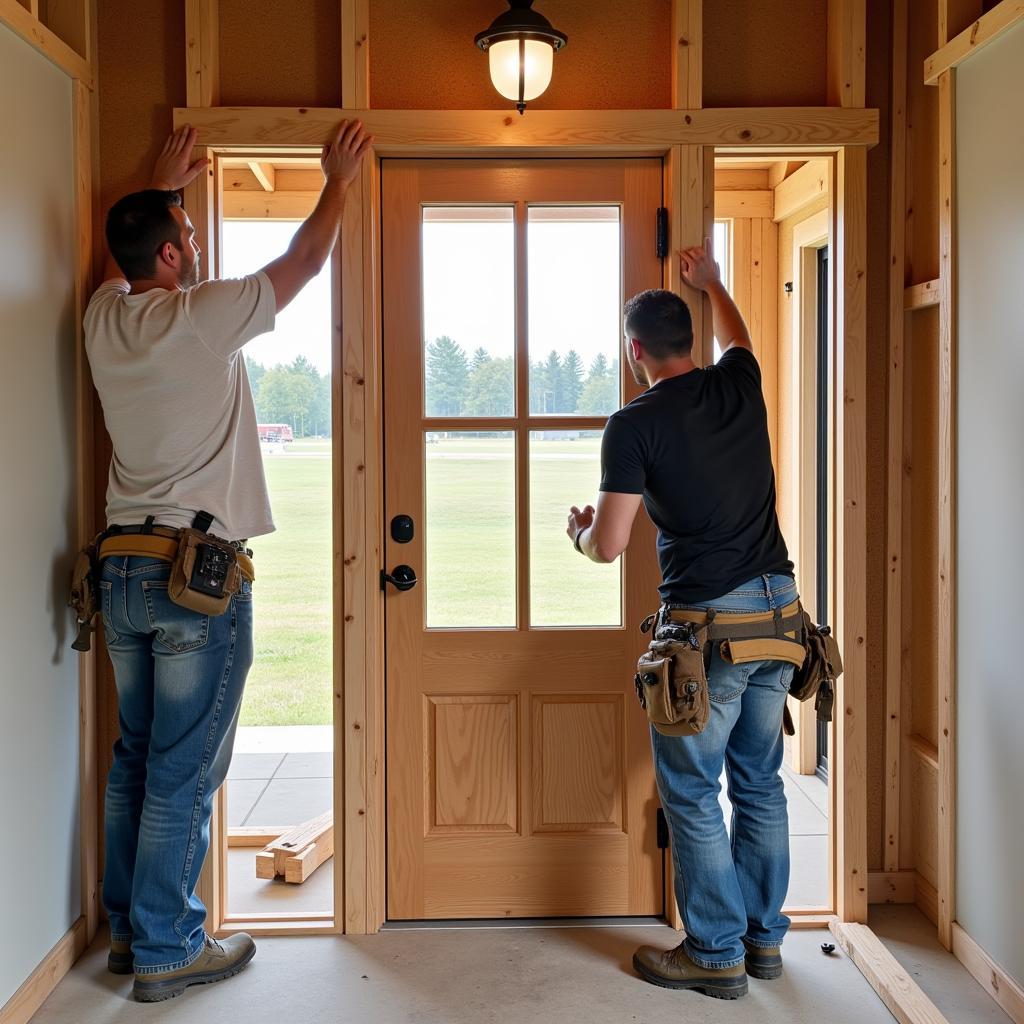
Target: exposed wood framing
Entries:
(925, 752)
(687, 54)
(801, 189)
(24, 22)
(846, 55)
(269, 205)
(946, 662)
(921, 296)
(358, 602)
(202, 54)
(737, 203)
(265, 174)
(850, 819)
(21, 1007)
(895, 987)
(995, 980)
(355, 53)
(926, 899)
(488, 132)
(891, 887)
(955, 16)
(897, 480)
(71, 20)
(988, 27)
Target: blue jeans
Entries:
(731, 890)
(180, 677)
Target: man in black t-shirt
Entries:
(694, 448)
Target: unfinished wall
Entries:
(422, 55)
(619, 56)
(990, 495)
(39, 739)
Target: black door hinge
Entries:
(662, 830)
(661, 242)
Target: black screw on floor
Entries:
(827, 948)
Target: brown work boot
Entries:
(120, 959)
(673, 968)
(215, 963)
(764, 964)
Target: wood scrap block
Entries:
(298, 852)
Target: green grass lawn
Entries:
(470, 571)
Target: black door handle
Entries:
(403, 577)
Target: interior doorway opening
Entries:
(772, 228)
(281, 776)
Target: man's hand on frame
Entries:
(174, 168)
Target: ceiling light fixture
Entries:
(521, 45)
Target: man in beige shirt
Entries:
(166, 358)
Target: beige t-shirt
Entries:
(178, 406)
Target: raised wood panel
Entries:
(471, 771)
(577, 762)
(920, 836)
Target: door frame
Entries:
(687, 142)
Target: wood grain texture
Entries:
(847, 25)
(202, 53)
(851, 530)
(896, 482)
(891, 887)
(578, 760)
(278, 205)
(472, 763)
(988, 27)
(71, 20)
(946, 665)
(801, 189)
(46, 41)
(895, 987)
(921, 296)
(355, 53)
(956, 16)
(642, 131)
(21, 1007)
(687, 49)
(995, 980)
(737, 203)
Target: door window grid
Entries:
(544, 585)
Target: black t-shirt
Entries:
(697, 448)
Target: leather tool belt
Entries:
(671, 678)
(206, 572)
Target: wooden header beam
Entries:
(492, 132)
(988, 27)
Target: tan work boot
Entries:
(120, 959)
(674, 969)
(764, 964)
(215, 963)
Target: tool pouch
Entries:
(82, 594)
(672, 685)
(205, 573)
(822, 666)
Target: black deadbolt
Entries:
(402, 529)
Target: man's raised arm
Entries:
(315, 239)
(699, 270)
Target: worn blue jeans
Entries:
(730, 886)
(180, 677)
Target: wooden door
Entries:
(519, 777)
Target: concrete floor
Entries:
(910, 937)
(473, 976)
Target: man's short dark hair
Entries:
(138, 226)
(660, 321)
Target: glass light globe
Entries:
(504, 61)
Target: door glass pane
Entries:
(567, 589)
(470, 529)
(468, 310)
(575, 309)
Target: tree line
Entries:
(458, 384)
(295, 393)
